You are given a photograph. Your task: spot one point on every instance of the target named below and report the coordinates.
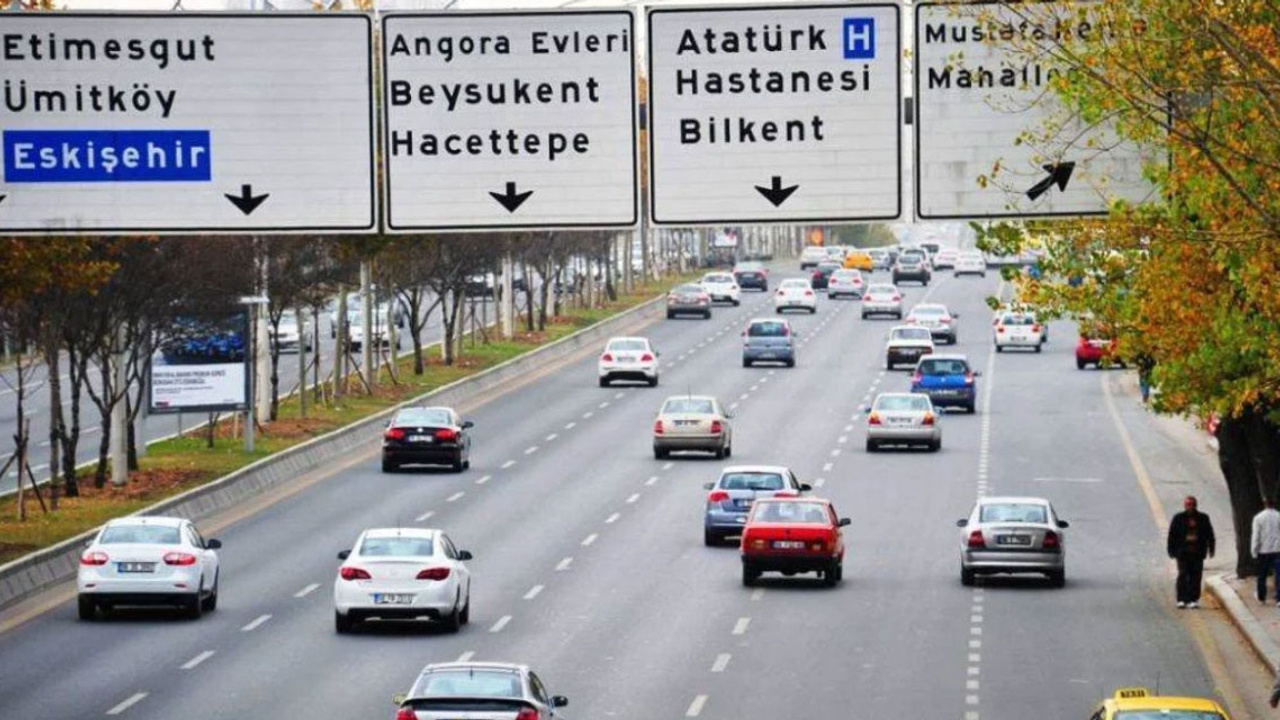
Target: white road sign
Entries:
(992, 140)
(786, 113)
(510, 120)
(186, 122)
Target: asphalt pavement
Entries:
(589, 563)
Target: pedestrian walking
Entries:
(1264, 545)
(1190, 541)
(1145, 364)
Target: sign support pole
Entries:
(119, 418)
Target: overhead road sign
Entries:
(775, 113)
(992, 138)
(510, 120)
(186, 122)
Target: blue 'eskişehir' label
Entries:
(77, 156)
(859, 38)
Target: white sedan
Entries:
(148, 561)
(402, 574)
(628, 358)
(795, 293)
(1017, 330)
(722, 287)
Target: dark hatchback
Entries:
(426, 436)
(751, 276)
(822, 275)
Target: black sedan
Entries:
(822, 275)
(751, 276)
(426, 436)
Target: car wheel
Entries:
(966, 577)
(898, 315)
(457, 464)
(653, 381)
(813, 311)
(872, 445)
(935, 445)
(999, 348)
(711, 539)
(87, 606)
(604, 382)
(971, 408)
(953, 340)
(211, 602)
(888, 364)
(778, 310)
(746, 362)
(466, 464)
(1058, 578)
(1080, 364)
(1038, 348)
(719, 453)
(453, 621)
(864, 316)
(728, 450)
(749, 575)
(736, 303)
(465, 616)
(791, 363)
(671, 315)
(660, 454)
(706, 315)
(343, 624)
(840, 571)
(193, 606)
(830, 576)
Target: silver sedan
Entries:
(1013, 535)
(903, 419)
(692, 422)
(882, 299)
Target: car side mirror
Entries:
(805, 487)
(399, 698)
(708, 486)
(344, 554)
(955, 315)
(962, 522)
(464, 555)
(466, 424)
(844, 522)
(213, 544)
(559, 701)
(1064, 524)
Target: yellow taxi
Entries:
(859, 260)
(1137, 703)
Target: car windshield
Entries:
(943, 367)
(423, 416)
(395, 547)
(143, 534)
(1014, 512)
(902, 403)
(752, 481)
(697, 406)
(627, 345)
(770, 328)
(1167, 715)
(791, 512)
(912, 334)
(468, 683)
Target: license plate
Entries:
(136, 567)
(1013, 539)
(686, 423)
(742, 503)
(767, 355)
(899, 421)
(626, 358)
(421, 438)
(789, 544)
(945, 393)
(392, 599)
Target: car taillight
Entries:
(657, 427)
(179, 558)
(911, 321)
(1051, 541)
(716, 428)
(436, 573)
(968, 379)
(93, 558)
(405, 713)
(999, 328)
(816, 546)
(646, 358)
(354, 573)
(717, 496)
(975, 539)
(606, 357)
(446, 434)
(786, 330)
(897, 298)
(527, 713)
(757, 543)
(928, 419)
(1035, 328)
(808, 293)
(946, 321)
(394, 434)
(873, 419)
(781, 293)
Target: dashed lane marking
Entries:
(843, 439)
(570, 426)
(652, 479)
(612, 518)
(603, 405)
(819, 483)
(255, 623)
(826, 467)
(454, 497)
(531, 450)
(466, 656)
(533, 592)
(130, 702)
(502, 622)
(564, 564)
(722, 662)
(668, 466)
(740, 627)
(590, 539)
(482, 480)
(733, 406)
(193, 662)
(634, 497)
(551, 437)
(425, 516)
(587, 415)
(619, 396)
(306, 590)
(757, 594)
(508, 464)
(695, 707)
(835, 452)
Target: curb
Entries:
(1259, 639)
(33, 573)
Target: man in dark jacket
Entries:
(1190, 541)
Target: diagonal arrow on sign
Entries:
(246, 200)
(777, 194)
(511, 199)
(1059, 175)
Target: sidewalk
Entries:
(1258, 622)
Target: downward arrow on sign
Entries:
(777, 194)
(246, 200)
(511, 199)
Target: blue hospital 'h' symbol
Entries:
(859, 38)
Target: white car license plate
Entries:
(421, 438)
(789, 544)
(1013, 539)
(686, 423)
(392, 599)
(136, 567)
(899, 421)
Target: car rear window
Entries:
(145, 534)
(468, 683)
(943, 367)
(627, 345)
(752, 481)
(902, 403)
(423, 416)
(770, 328)
(1018, 320)
(1014, 512)
(395, 547)
(791, 512)
(847, 274)
(912, 334)
(688, 405)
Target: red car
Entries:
(1095, 351)
(793, 535)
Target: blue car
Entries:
(948, 381)
(768, 340)
(730, 497)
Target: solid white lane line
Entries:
(564, 564)
(197, 660)
(826, 467)
(757, 594)
(590, 539)
(255, 623)
(466, 656)
(634, 497)
(502, 622)
(551, 437)
(425, 516)
(508, 464)
(740, 627)
(722, 661)
(570, 426)
(455, 496)
(531, 450)
(482, 480)
(306, 590)
(133, 700)
(652, 479)
(668, 466)
(612, 518)
(695, 707)
(533, 592)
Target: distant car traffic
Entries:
(479, 690)
(913, 267)
(402, 573)
(1136, 703)
(1017, 330)
(731, 496)
(906, 345)
(768, 340)
(688, 299)
(692, 422)
(845, 283)
(286, 337)
(859, 260)
(1007, 535)
(939, 321)
(903, 419)
(882, 299)
(628, 358)
(821, 274)
(811, 256)
(795, 294)
(881, 258)
(947, 380)
(793, 535)
(751, 275)
(427, 436)
(970, 262)
(945, 258)
(147, 561)
(722, 287)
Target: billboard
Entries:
(201, 366)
